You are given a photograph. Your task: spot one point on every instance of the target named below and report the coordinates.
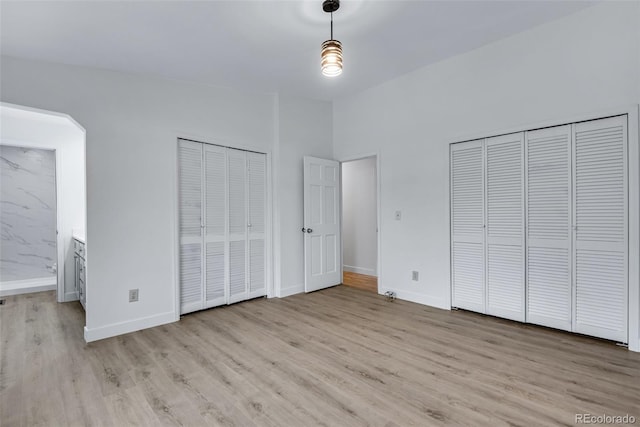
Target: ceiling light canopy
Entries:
(331, 52)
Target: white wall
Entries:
(40, 130)
(359, 216)
(132, 124)
(305, 130)
(581, 64)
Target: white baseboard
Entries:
(359, 270)
(115, 329)
(419, 298)
(291, 291)
(27, 286)
(71, 296)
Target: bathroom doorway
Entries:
(40, 149)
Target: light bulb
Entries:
(331, 58)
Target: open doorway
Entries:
(36, 143)
(360, 223)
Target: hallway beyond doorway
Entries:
(360, 281)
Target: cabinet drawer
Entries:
(82, 293)
(78, 247)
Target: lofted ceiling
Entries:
(265, 46)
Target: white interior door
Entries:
(321, 223)
(190, 224)
(505, 226)
(467, 226)
(548, 192)
(601, 233)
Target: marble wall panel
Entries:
(27, 213)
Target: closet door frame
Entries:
(633, 173)
(269, 206)
(633, 225)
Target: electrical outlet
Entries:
(414, 276)
(133, 295)
(398, 215)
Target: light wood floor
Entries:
(360, 281)
(338, 357)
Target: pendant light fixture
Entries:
(331, 53)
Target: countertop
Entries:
(79, 235)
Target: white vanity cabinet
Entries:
(79, 250)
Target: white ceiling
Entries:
(263, 45)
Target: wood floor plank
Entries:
(13, 338)
(334, 390)
(380, 375)
(241, 358)
(192, 366)
(360, 281)
(130, 408)
(346, 373)
(37, 357)
(496, 356)
(337, 357)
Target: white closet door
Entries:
(467, 226)
(256, 174)
(505, 226)
(215, 224)
(600, 217)
(237, 213)
(190, 225)
(548, 192)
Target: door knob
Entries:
(309, 230)
(304, 230)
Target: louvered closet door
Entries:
(467, 226)
(237, 212)
(215, 224)
(549, 227)
(256, 174)
(190, 225)
(600, 217)
(505, 226)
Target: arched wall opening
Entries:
(30, 129)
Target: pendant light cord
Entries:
(331, 25)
